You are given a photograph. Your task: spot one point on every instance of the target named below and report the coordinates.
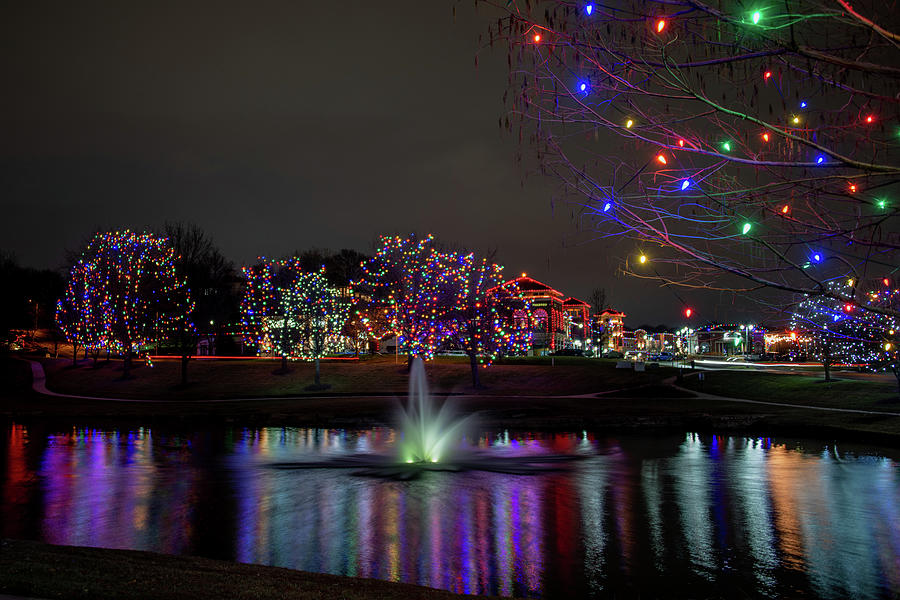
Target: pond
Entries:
(676, 515)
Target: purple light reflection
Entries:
(655, 511)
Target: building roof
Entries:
(528, 284)
(612, 312)
(574, 302)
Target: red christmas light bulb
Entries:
(688, 312)
(660, 25)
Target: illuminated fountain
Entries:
(430, 440)
(428, 435)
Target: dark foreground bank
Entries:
(45, 571)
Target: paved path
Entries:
(39, 384)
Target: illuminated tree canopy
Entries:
(482, 323)
(843, 333)
(414, 282)
(292, 313)
(123, 294)
(737, 147)
(435, 299)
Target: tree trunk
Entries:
(74, 354)
(284, 363)
(409, 361)
(826, 361)
(317, 372)
(473, 363)
(126, 364)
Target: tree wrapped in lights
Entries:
(70, 309)
(415, 283)
(322, 315)
(291, 313)
(482, 322)
(123, 294)
(843, 332)
(743, 142)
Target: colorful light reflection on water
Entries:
(690, 514)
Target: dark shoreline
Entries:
(751, 426)
(41, 570)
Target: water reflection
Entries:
(685, 515)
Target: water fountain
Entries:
(428, 434)
(430, 440)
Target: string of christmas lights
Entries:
(845, 332)
(434, 298)
(291, 313)
(482, 324)
(123, 294)
(756, 146)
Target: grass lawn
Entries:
(800, 389)
(46, 571)
(638, 402)
(211, 379)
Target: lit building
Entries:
(724, 340)
(547, 315)
(578, 324)
(609, 328)
(661, 342)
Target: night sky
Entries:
(280, 126)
